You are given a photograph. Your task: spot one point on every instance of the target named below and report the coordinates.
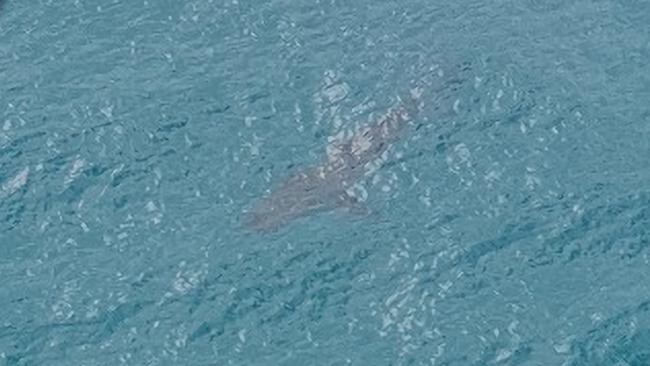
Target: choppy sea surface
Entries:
(509, 225)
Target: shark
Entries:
(329, 185)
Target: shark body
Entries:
(326, 186)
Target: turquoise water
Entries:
(507, 226)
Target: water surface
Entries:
(507, 226)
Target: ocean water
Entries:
(508, 225)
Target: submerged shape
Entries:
(327, 186)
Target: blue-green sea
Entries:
(508, 224)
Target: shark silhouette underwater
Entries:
(329, 185)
